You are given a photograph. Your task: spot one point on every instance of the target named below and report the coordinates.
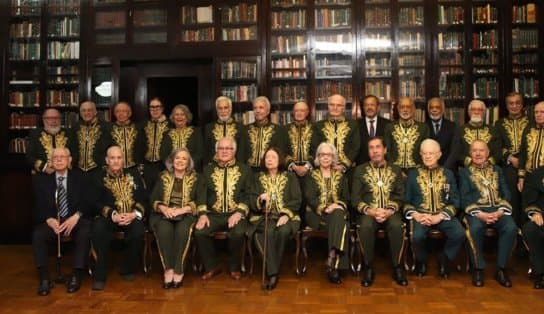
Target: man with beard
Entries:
(443, 131)
(42, 141)
(225, 126)
(154, 130)
(302, 138)
(371, 125)
(126, 135)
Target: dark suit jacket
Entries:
(446, 139)
(380, 128)
(44, 191)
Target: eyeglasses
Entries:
(225, 148)
(155, 107)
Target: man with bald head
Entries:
(120, 200)
(302, 140)
(128, 136)
(431, 202)
(485, 199)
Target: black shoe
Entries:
(334, 276)
(368, 277)
(539, 284)
(128, 277)
(400, 276)
(177, 284)
(272, 282)
(73, 284)
(478, 278)
(421, 269)
(502, 278)
(167, 285)
(444, 267)
(98, 285)
(45, 287)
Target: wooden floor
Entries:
(309, 294)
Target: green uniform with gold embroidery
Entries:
(379, 187)
(40, 146)
(468, 133)
(131, 140)
(344, 135)
(89, 144)
(189, 137)
(509, 131)
(531, 154)
(302, 143)
(533, 234)
(174, 235)
(403, 141)
(217, 130)
(261, 137)
(285, 200)
(483, 189)
(227, 191)
(433, 191)
(320, 192)
(154, 131)
(123, 193)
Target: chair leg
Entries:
(148, 254)
(250, 254)
(304, 239)
(298, 271)
(243, 265)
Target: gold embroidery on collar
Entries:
(535, 144)
(487, 182)
(259, 139)
(225, 181)
(122, 188)
(431, 183)
(228, 128)
(274, 186)
(338, 138)
(180, 137)
(405, 139)
(188, 182)
(87, 137)
(482, 134)
(47, 139)
(381, 182)
(328, 193)
(154, 131)
(125, 137)
(514, 129)
(300, 142)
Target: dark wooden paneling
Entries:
(17, 201)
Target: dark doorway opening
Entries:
(174, 91)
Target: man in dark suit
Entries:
(59, 195)
(443, 131)
(371, 125)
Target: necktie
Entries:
(436, 127)
(372, 131)
(62, 198)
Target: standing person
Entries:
(276, 193)
(371, 125)
(154, 130)
(302, 140)
(326, 194)
(341, 132)
(225, 126)
(227, 184)
(177, 195)
(377, 194)
(531, 154)
(120, 200)
(60, 195)
(128, 136)
(443, 131)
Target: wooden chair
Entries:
(433, 234)
(223, 235)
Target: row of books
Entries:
(451, 41)
(330, 18)
(325, 88)
(373, 72)
(24, 51)
(487, 39)
(451, 89)
(527, 86)
(525, 13)
(18, 145)
(202, 34)
(288, 93)
(524, 38)
(414, 88)
(240, 93)
(378, 41)
(149, 17)
(486, 14)
(411, 41)
(25, 29)
(23, 120)
(524, 58)
(288, 74)
(450, 15)
(145, 36)
(239, 70)
(287, 3)
(288, 63)
(196, 15)
(63, 70)
(26, 7)
(525, 70)
(24, 99)
(63, 6)
(411, 60)
(62, 98)
(485, 87)
(341, 42)
(110, 38)
(242, 12)
(288, 44)
(110, 19)
(380, 89)
(62, 50)
(64, 27)
(487, 58)
(451, 70)
(411, 16)
(241, 33)
(288, 19)
(377, 17)
(63, 80)
(377, 61)
(341, 2)
(449, 58)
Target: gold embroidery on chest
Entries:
(405, 139)
(125, 136)
(154, 139)
(87, 138)
(225, 181)
(46, 139)
(259, 138)
(431, 184)
(381, 182)
(168, 186)
(338, 138)
(514, 128)
(122, 190)
(535, 143)
(180, 137)
(300, 142)
(274, 188)
(328, 193)
(482, 134)
(229, 128)
(487, 182)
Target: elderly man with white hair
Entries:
(431, 202)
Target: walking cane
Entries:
(60, 277)
(266, 210)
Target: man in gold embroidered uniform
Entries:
(485, 199)
(90, 139)
(476, 129)
(120, 199)
(377, 193)
(431, 202)
(341, 132)
(302, 140)
(128, 136)
(509, 130)
(154, 130)
(403, 137)
(225, 126)
(262, 133)
(42, 141)
(531, 151)
(227, 186)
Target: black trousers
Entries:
(43, 236)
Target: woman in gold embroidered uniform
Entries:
(276, 191)
(175, 198)
(326, 193)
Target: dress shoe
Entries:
(502, 278)
(128, 277)
(168, 285)
(444, 267)
(420, 269)
(236, 275)
(73, 284)
(399, 275)
(215, 271)
(478, 278)
(98, 285)
(368, 277)
(334, 276)
(45, 287)
(177, 284)
(272, 282)
(539, 284)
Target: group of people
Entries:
(264, 182)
